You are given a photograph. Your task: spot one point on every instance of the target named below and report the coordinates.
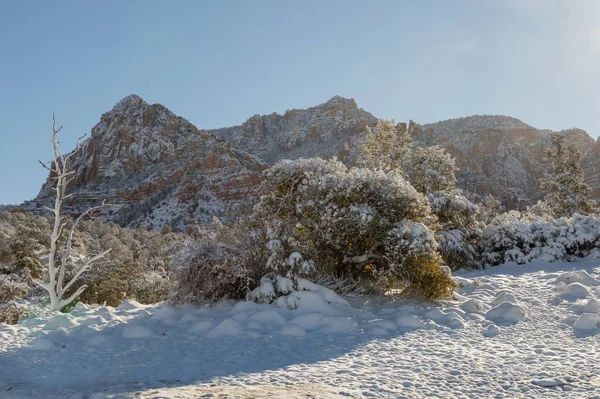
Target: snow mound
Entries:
(575, 291)
(472, 306)
(506, 313)
(592, 306)
(492, 331)
(226, 327)
(586, 322)
(61, 321)
(201, 326)
(41, 344)
(130, 304)
(580, 276)
(268, 318)
(504, 297)
(308, 321)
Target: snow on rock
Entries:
(472, 306)
(506, 313)
(308, 321)
(492, 331)
(592, 306)
(337, 324)
(586, 322)
(575, 291)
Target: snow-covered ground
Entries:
(512, 331)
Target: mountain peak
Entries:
(339, 100)
(130, 100)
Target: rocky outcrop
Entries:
(159, 168)
(329, 129)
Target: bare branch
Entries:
(85, 266)
(70, 299)
(40, 283)
(45, 165)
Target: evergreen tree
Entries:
(565, 188)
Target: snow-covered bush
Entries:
(521, 238)
(429, 169)
(11, 288)
(10, 312)
(385, 146)
(460, 228)
(322, 216)
(136, 268)
(211, 271)
(453, 209)
(489, 209)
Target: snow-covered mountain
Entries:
(162, 170)
(159, 167)
(329, 129)
(503, 156)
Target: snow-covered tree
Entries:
(385, 146)
(429, 169)
(565, 188)
(56, 286)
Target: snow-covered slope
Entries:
(514, 331)
(159, 167)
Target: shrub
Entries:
(521, 238)
(12, 288)
(210, 271)
(324, 216)
(10, 312)
(460, 228)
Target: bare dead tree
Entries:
(56, 286)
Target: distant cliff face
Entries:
(159, 167)
(329, 129)
(503, 156)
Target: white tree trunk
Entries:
(54, 286)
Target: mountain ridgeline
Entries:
(159, 169)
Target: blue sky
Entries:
(217, 63)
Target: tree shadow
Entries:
(85, 360)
